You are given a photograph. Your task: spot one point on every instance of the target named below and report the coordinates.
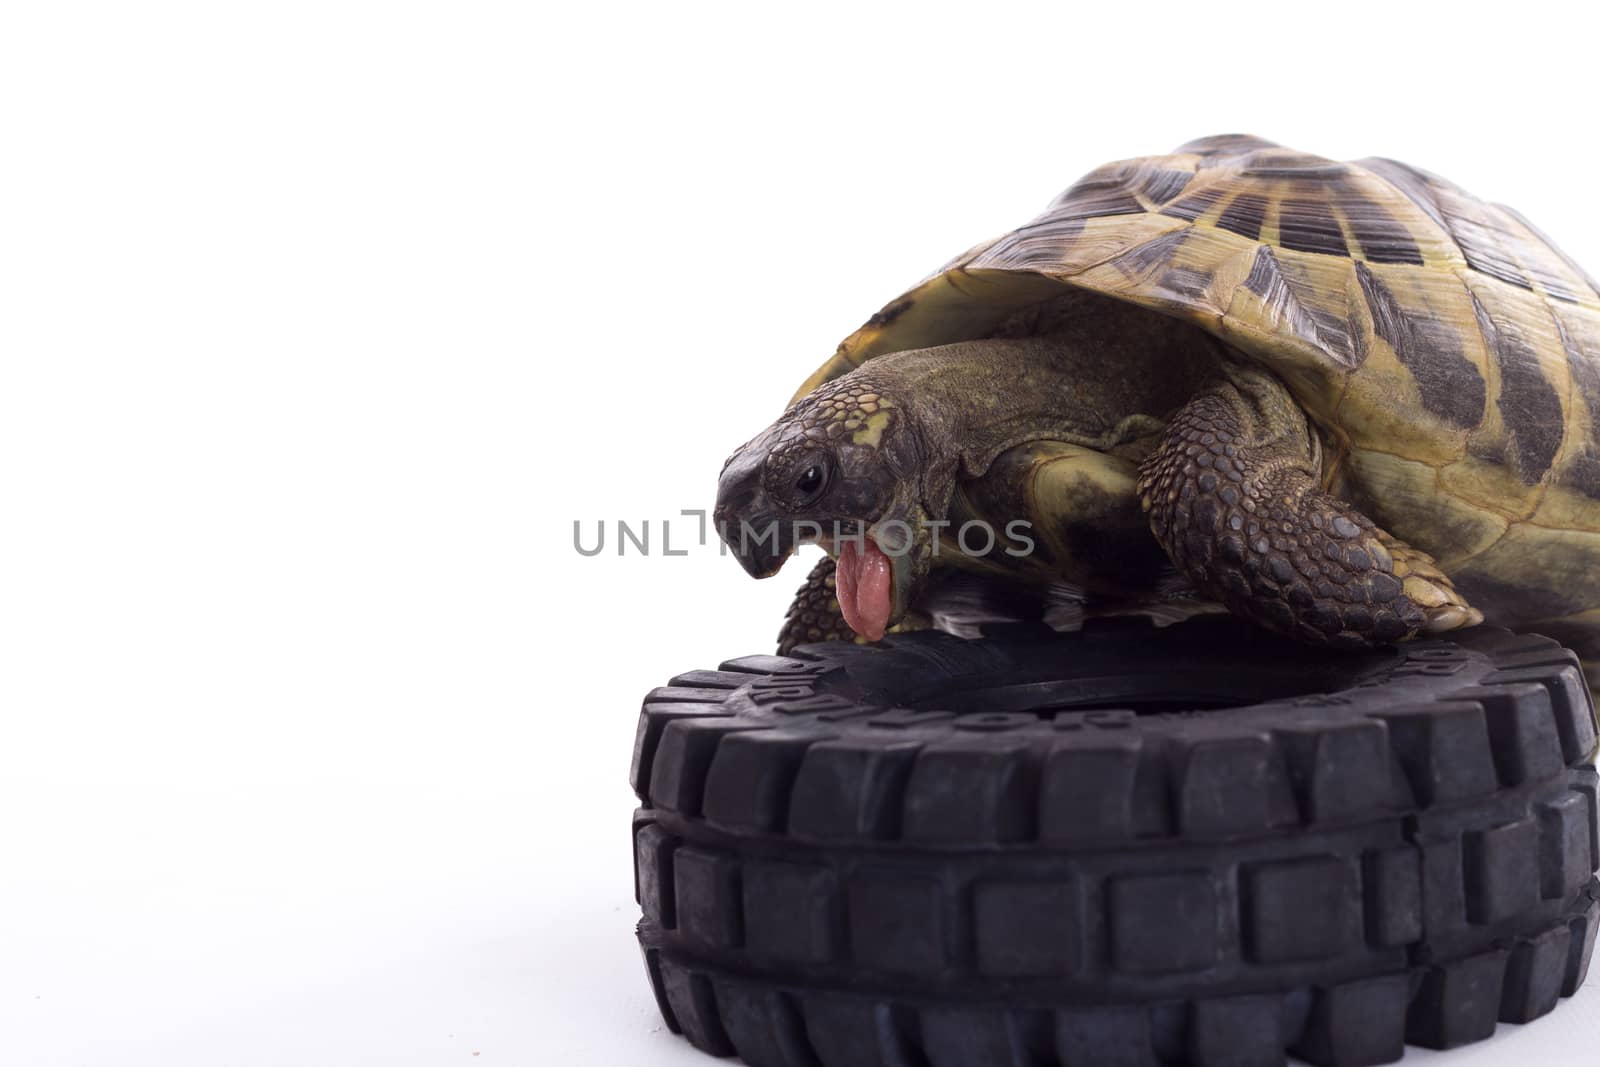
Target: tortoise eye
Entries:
(811, 481)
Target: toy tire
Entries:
(1125, 845)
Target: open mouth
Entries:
(871, 585)
(864, 582)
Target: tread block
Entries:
(642, 817)
(678, 694)
(790, 912)
(1444, 892)
(678, 772)
(1027, 928)
(896, 921)
(1569, 698)
(963, 1037)
(1237, 1032)
(1523, 739)
(1280, 896)
(1443, 749)
(1104, 1037)
(846, 1031)
(707, 896)
(764, 1026)
(751, 774)
(900, 1034)
(1458, 1003)
(851, 790)
(1534, 975)
(765, 665)
(1495, 641)
(694, 1005)
(1498, 864)
(1392, 887)
(1581, 947)
(968, 791)
(1552, 654)
(831, 653)
(1232, 785)
(1092, 792)
(1564, 835)
(652, 967)
(1164, 923)
(1585, 787)
(1338, 770)
(1358, 1024)
(1169, 1029)
(709, 680)
(653, 850)
(653, 720)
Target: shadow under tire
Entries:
(1125, 845)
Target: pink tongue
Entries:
(864, 580)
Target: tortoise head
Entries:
(841, 468)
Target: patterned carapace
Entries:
(1446, 350)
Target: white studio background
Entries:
(322, 323)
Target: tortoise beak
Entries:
(757, 543)
(746, 520)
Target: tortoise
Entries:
(1348, 401)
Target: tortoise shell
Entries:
(1448, 351)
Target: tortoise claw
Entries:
(1449, 617)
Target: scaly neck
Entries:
(973, 400)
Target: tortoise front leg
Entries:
(1233, 496)
(814, 614)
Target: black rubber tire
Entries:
(1030, 849)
